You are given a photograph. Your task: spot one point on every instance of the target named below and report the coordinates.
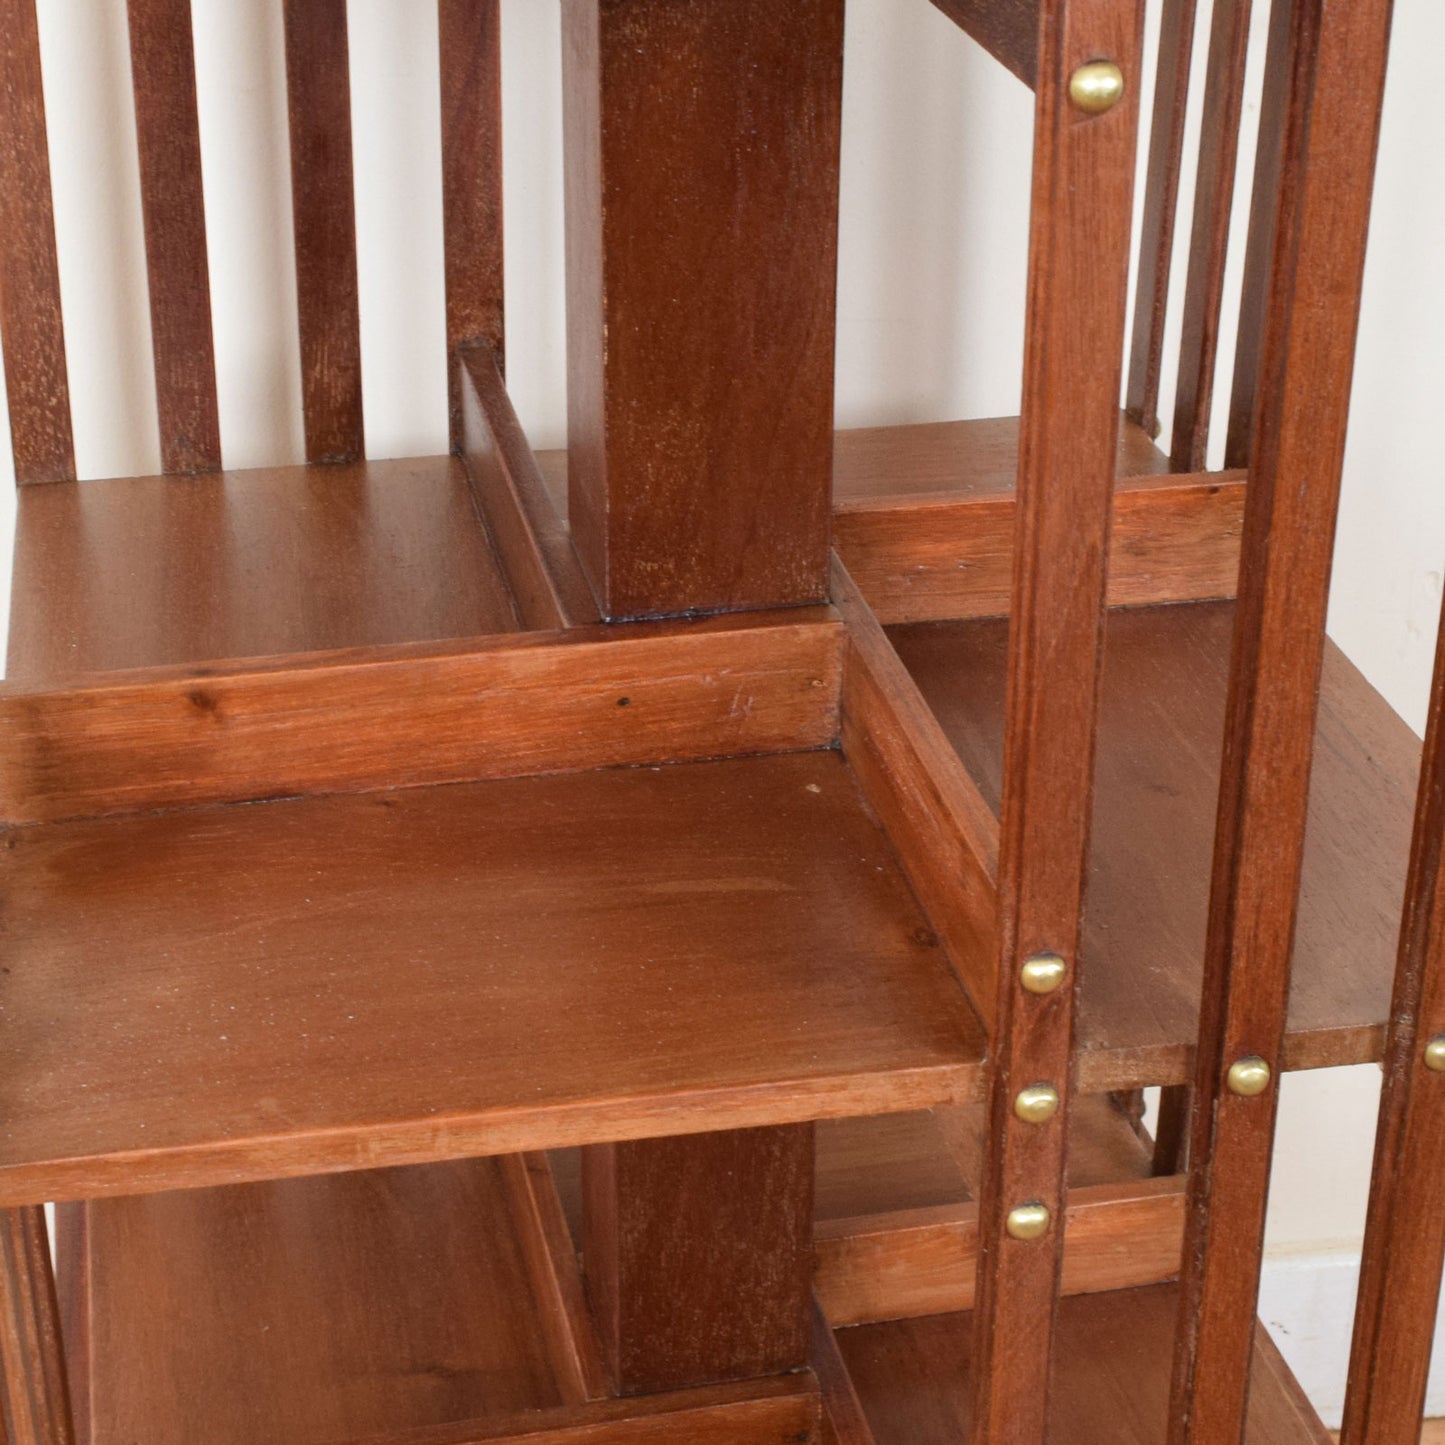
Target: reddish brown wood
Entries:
(318, 92)
(1337, 79)
(1209, 239)
(1080, 223)
(844, 1422)
(471, 91)
(701, 275)
(1405, 1232)
(1007, 29)
(1161, 206)
(532, 540)
(174, 206)
(408, 716)
(34, 1403)
(698, 1253)
(32, 332)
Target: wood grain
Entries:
(31, 329)
(34, 1403)
(173, 204)
(698, 1254)
(654, 951)
(1328, 149)
(470, 42)
(414, 715)
(1007, 29)
(844, 1422)
(702, 207)
(149, 571)
(1068, 444)
(543, 572)
(318, 95)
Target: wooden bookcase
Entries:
(665, 941)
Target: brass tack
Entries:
(1248, 1077)
(1043, 973)
(1028, 1221)
(1097, 87)
(1435, 1054)
(1037, 1104)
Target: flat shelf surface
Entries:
(285, 988)
(1160, 736)
(1110, 1384)
(147, 571)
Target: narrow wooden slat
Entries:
(1209, 237)
(924, 1261)
(535, 547)
(1404, 1248)
(31, 329)
(318, 92)
(844, 1422)
(1007, 29)
(412, 715)
(945, 833)
(1080, 222)
(34, 1403)
(1337, 59)
(173, 203)
(1161, 206)
(471, 96)
(556, 1279)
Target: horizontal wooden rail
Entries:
(1007, 29)
(419, 714)
(924, 1261)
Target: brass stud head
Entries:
(1435, 1054)
(1248, 1077)
(1043, 973)
(1096, 87)
(1037, 1104)
(1028, 1221)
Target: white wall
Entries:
(935, 194)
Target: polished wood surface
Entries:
(1110, 1379)
(1007, 29)
(168, 137)
(413, 715)
(654, 950)
(34, 1395)
(318, 94)
(1161, 732)
(701, 259)
(36, 380)
(147, 571)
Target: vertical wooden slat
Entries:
(1405, 1232)
(1209, 237)
(36, 1408)
(1081, 213)
(318, 89)
(1337, 58)
(1161, 206)
(702, 145)
(1259, 245)
(699, 1255)
(163, 70)
(31, 328)
(471, 89)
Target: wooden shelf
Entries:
(1160, 735)
(1110, 1383)
(145, 571)
(287, 988)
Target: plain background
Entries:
(931, 289)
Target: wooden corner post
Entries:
(702, 194)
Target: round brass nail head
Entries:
(1435, 1054)
(1043, 973)
(1028, 1221)
(1248, 1077)
(1037, 1104)
(1097, 87)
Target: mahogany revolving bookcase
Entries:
(664, 942)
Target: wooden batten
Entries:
(533, 544)
(34, 1399)
(411, 715)
(1007, 29)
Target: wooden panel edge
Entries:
(1007, 29)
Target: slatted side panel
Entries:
(1336, 56)
(318, 86)
(30, 321)
(168, 135)
(471, 91)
